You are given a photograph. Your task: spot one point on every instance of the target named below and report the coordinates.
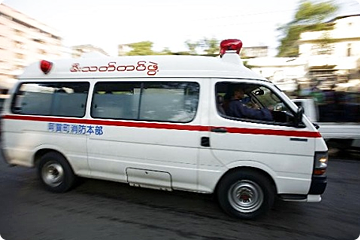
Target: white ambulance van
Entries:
(199, 124)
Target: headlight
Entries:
(320, 163)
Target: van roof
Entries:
(140, 66)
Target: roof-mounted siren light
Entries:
(45, 66)
(230, 50)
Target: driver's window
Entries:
(251, 102)
(269, 99)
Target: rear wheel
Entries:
(245, 194)
(55, 172)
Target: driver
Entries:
(237, 108)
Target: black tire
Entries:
(245, 194)
(55, 173)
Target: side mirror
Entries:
(259, 92)
(298, 116)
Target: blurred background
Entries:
(310, 49)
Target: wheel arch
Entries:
(41, 152)
(248, 169)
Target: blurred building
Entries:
(334, 53)
(254, 52)
(23, 40)
(83, 50)
(282, 71)
(326, 57)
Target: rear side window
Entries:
(149, 101)
(51, 99)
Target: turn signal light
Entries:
(319, 171)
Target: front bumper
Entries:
(318, 184)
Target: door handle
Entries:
(219, 129)
(205, 141)
(299, 139)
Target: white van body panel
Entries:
(23, 140)
(171, 151)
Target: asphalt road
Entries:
(107, 210)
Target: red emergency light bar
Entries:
(230, 44)
(45, 66)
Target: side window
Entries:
(171, 102)
(150, 101)
(251, 102)
(116, 100)
(51, 99)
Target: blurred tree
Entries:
(141, 48)
(166, 51)
(192, 46)
(309, 16)
(210, 46)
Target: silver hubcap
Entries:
(52, 174)
(246, 196)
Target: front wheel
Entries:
(55, 172)
(245, 194)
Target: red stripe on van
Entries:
(274, 132)
(165, 126)
(108, 122)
